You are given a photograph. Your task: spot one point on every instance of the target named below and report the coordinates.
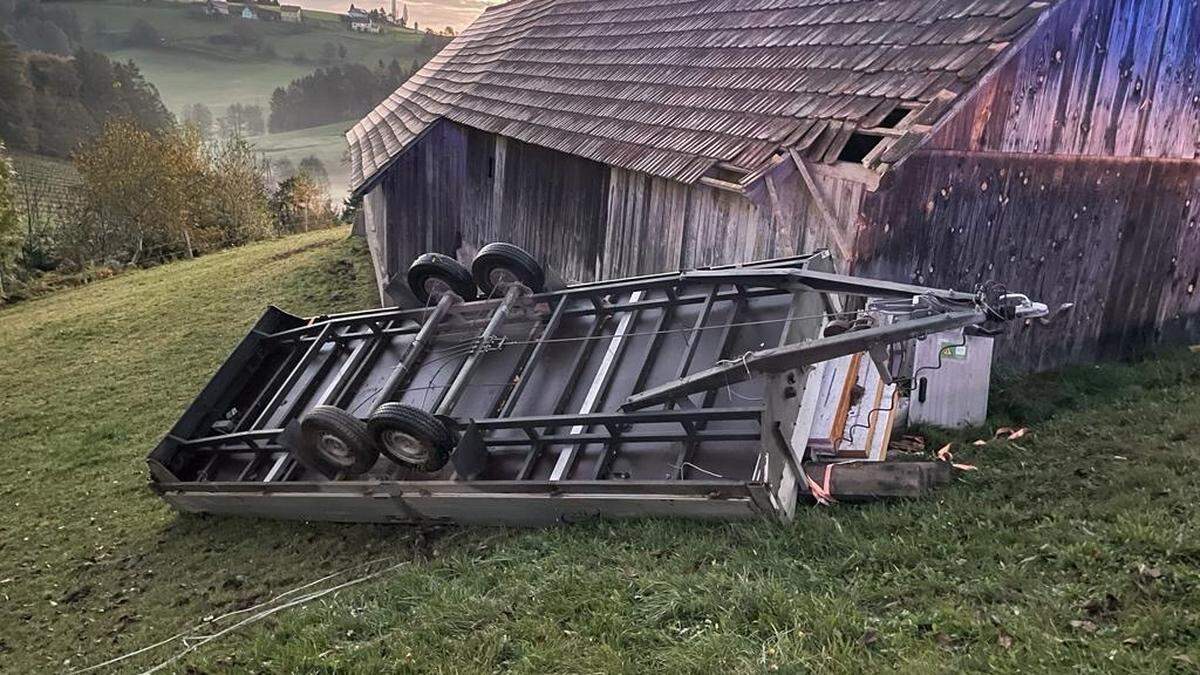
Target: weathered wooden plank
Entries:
(1110, 236)
(1098, 77)
(866, 481)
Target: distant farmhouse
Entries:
(217, 8)
(249, 13)
(1051, 146)
(291, 14)
(360, 20)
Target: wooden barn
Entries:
(1053, 146)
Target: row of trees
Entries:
(333, 94)
(152, 195)
(240, 120)
(50, 104)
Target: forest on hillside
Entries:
(334, 93)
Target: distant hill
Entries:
(192, 58)
(220, 60)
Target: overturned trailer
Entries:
(511, 399)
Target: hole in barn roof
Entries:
(858, 147)
(893, 118)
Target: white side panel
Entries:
(955, 394)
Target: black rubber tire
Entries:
(435, 267)
(333, 442)
(436, 442)
(837, 327)
(500, 260)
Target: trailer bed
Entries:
(558, 413)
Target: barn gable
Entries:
(674, 88)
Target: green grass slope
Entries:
(1076, 548)
(327, 143)
(183, 79)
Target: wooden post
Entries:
(845, 247)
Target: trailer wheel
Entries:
(433, 274)
(500, 263)
(333, 441)
(411, 437)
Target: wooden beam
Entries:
(785, 231)
(867, 481)
(852, 171)
(835, 229)
(722, 185)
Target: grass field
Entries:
(1075, 549)
(327, 143)
(183, 79)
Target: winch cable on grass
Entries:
(186, 637)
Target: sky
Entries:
(436, 14)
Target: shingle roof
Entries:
(673, 87)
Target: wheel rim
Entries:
(335, 450)
(435, 287)
(500, 276)
(404, 446)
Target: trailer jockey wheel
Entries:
(433, 274)
(411, 437)
(334, 442)
(499, 264)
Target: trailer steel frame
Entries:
(550, 397)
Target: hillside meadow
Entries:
(188, 68)
(1076, 548)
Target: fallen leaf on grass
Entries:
(979, 443)
(1149, 572)
(1002, 431)
(965, 467)
(1018, 434)
(1005, 640)
(1085, 625)
(944, 454)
